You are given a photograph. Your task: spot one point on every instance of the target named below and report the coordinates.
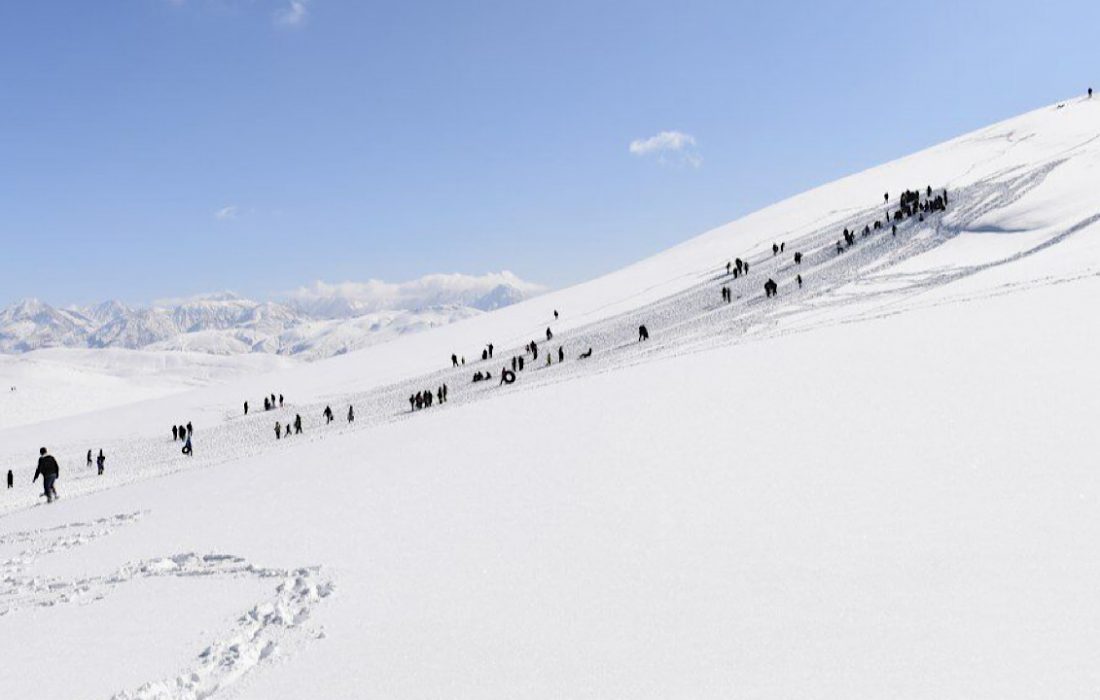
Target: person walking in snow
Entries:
(561, 355)
(89, 458)
(775, 249)
(351, 414)
(175, 433)
(189, 429)
(327, 413)
(267, 404)
(99, 462)
(278, 430)
(412, 402)
(297, 424)
(643, 333)
(47, 467)
(11, 479)
(454, 360)
(246, 408)
(799, 278)
(280, 400)
(556, 311)
(187, 447)
(549, 335)
(534, 351)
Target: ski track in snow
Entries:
(258, 636)
(687, 321)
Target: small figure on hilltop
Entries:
(175, 433)
(799, 279)
(297, 424)
(99, 462)
(89, 458)
(351, 414)
(1090, 93)
(11, 479)
(775, 249)
(549, 335)
(246, 408)
(278, 430)
(454, 360)
(327, 413)
(561, 354)
(798, 258)
(555, 314)
(189, 429)
(643, 333)
(47, 467)
(770, 288)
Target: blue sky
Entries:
(157, 148)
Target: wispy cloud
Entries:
(227, 212)
(294, 14)
(674, 147)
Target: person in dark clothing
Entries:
(175, 433)
(187, 447)
(280, 400)
(799, 278)
(1090, 93)
(11, 479)
(519, 363)
(484, 355)
(775, 249)
(561, 354)
(351, 414)
(412, 397)
(89, 458)
(99, 462)
(886, 197)
(798, 258)
(246, 408)
(728, 266)
(746, 267)
(549, 335)
(894, 229)
(643, 333)
(534, 351)
(267, 404)
(278, 430)
(47, 467)
(490, 351)
(273, 401)
(297, 424)
(190, 429)
(327, 413)
(454, 360)
(783, 246)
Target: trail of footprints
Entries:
(257, 636)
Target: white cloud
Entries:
(227, 212)
(293, 15)
(669, 147)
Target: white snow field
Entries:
(884, 484)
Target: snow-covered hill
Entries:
(877, 483)
(314, 322)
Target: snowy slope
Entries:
(878, 485)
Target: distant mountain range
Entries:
(312, 322)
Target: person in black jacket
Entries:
(47, 467)
(99, 461)
(11, 479)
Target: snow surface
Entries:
(877, 485)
